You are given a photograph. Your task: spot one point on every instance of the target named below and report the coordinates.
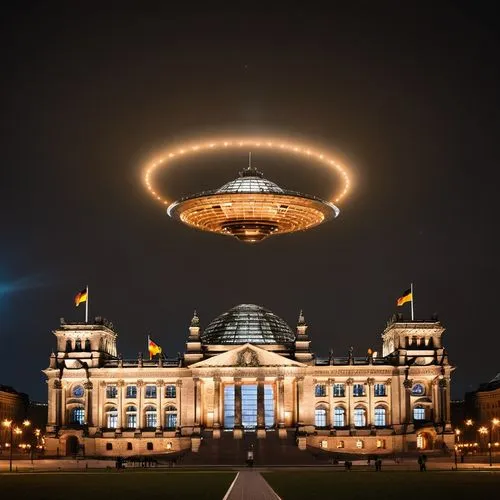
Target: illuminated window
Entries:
(77, 416)
(112, 418)
(268, 406)
(131, 391)
(420, 442)
(359, 417)
(323, 444)
(380, 443)
(131, 421)
(339, 416)
(358, 390)
(151, 417)
(380, 413)
(170, 391)
(338, 390)
(150, 392)
(419, 413)
(320, 390)
(170, 417)
(379, 390)
(111, 391)
(229, 406)
(340, 444)
(359, 443)
(320, 417)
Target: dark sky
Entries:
(410, 95)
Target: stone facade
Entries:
(101, 404)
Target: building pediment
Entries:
(247, 355)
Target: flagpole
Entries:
(149, 339)
(412, 299)
(87, 306)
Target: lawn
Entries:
(113, 484)
(384, 485)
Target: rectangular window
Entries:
(249, 406)
(381, 443)
(109, 446)
(268, 406)
(149, 446)
(131, 391)
(151, 419)
(129, 446)
(320, 390)
(111, 391)
(171, 420)
(338, 390)
(229, 406)
(358, 390)
(112, 420)
(132, 421)
(170, 391)
(380, 390)
(151, 392)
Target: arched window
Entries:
(78, 345)
(339, 416)
(68, 346)
(320, 416)
(419, 413)
(151, 417)
(170, 417)
(359, 417)
(380, 416)
(131, 419)
(77, 415)
(87, 344)
(112, 417)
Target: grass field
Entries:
(113, 484)
(385, 485)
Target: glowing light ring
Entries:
(269, 143)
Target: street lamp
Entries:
(9, 424)
(457, 440)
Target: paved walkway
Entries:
(250, 485)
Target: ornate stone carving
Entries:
(443, 383)
(102, 383)
(88, 385)
(160, 383)
(248, 357)
(140, 383)
(179, 383)
(349, 381)
(57, 384)
(388, 381)
(407, 384)
(120, 383)
(370, 381)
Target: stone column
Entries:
(370, 412)
(348, 388)
(197, 401)
(140, 401)
(261, 422)
(178, 394)
(407, 386)
(300, 399)
(390, 418)
(57, 402)
(88, 403)
(120, 386)
(435, 401)
(445, 401)
(280, 414)
(329, 394)
(64, 413)
(216, 407)
(160, 384)
(238, 432)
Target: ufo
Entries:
(251, 209)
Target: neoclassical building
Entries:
(248, 371)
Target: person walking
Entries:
(378, 464)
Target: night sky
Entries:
(409, 95)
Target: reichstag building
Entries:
(248, 372)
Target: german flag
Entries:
(153, 348)
(81, 297)
(406, 297)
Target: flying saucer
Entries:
(252, 208)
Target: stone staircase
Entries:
(233, 452)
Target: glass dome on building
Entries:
(248, 323)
